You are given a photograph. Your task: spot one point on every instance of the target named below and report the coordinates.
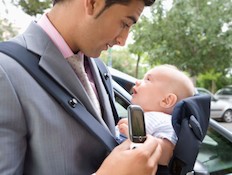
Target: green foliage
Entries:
(191, 36)
(120, 59)
(33, 7)
(209, 79)
(7, 31)
(213, 81)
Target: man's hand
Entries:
(140, 161)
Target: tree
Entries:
(33, 7)
(142, 33)
(7, 30)
(197, 41)
(140, 43)
(190, 35)
(120, 59)
(209, 79)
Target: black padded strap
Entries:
(73, 106)
(190, 120)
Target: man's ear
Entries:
(91, 6)
(169, 100)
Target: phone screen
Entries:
(138, 124)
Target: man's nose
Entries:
(121, 39)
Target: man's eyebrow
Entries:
(132, 18)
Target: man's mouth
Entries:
(107, 46)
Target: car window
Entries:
(121, 105)
(215, 153)
(201, 91)
(226, 91)
(122, 112)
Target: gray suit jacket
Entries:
(37, 136)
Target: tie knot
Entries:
(77, 63)
(79, 57)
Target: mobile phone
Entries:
(136, 124)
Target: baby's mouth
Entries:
(134, 91)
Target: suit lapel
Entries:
(53, 62)
(103, 96)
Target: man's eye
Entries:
(125, 25)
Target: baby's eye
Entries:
(146, 79)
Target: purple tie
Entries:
(77, 63)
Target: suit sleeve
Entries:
(12, 129)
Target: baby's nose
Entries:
(137, 82)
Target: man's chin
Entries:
(93, 55)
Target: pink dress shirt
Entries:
(57, 39)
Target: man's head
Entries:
(92, 26)
(161, 88)
(108, 3)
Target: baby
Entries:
(157, 93)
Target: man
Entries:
(37, 136)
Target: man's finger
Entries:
(124, 146)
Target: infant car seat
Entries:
(190, 120)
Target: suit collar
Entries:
(53, 62)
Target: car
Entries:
(221, 110)
(214, 157)
(224, 94)
(123, 79)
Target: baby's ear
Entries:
(169, 100)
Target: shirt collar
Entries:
(55, 36)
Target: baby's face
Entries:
(149, 92)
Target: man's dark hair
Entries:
(111, 2)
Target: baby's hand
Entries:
(123, 126)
